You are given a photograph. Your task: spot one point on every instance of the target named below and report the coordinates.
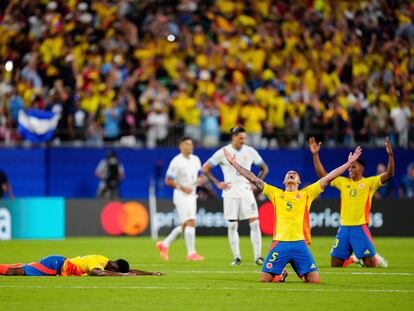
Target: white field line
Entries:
(256, 272)
(274, 288)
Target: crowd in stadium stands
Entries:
(149, 71)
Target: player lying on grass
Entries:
(292, 226)
(93, 265)
(356, 199)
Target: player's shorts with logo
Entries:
(294, 252)
(240, 208)
(355, 239)
(186, 207)
(48, 266)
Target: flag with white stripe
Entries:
(37, 125)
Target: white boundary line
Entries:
(256, 272)
(274, 288)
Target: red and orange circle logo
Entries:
(267, 218)
(129, 218)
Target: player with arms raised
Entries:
(356, 199)
(292, 227)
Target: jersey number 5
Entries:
(274, 255)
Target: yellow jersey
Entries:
(356, 198)
(83, 265)
(292, 211)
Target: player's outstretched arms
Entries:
(314, 148)
(206, 169)
(340, 170)
(99, 272)
(390, 166)
(244, 172)
(140, 272)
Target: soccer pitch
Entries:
(209, 285)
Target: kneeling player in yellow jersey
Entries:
(93, 265)
(356, 198)
(292, 227)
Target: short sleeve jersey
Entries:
(246, 156)
(356, 198)
(185, 172)
(87, 263)
(292, 211)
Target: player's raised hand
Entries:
(388, 146)
(354, 156)
(313, 145)
(157, 273)
(231, 158)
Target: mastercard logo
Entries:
(267, 218)
(130, 218)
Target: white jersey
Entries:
(185, 172)
(246, 156)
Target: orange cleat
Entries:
(195, 257)
(163, 251)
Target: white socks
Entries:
(189, 235)
(173, 236)
(256, 238)
(234, 238)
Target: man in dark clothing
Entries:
(111, 171)
(5, 185)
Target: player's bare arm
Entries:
(314, 148)
(244, 172)
(264, 170)
(175, 185)
(140, 272)
(340, 170)
(207, 171)
(99, 272)
(390, 166)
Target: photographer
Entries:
(110, 171)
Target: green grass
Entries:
(208, 285)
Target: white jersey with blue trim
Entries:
(246, 156)
(185, 172)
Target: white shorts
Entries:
(186, 208)
(240, 208)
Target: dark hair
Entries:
(123, 265)
(361, 162)
(185, 138)
(111, 153)
(236, 130)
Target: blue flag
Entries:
(37, 125)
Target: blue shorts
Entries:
(355, 239)
(295, 252)
(50, 265)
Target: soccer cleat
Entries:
(235, 262)
(284, 275)
(195, 257)
(381, 261)
(352, 259)
(259, 261)
(163, 251)
(281, 277)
